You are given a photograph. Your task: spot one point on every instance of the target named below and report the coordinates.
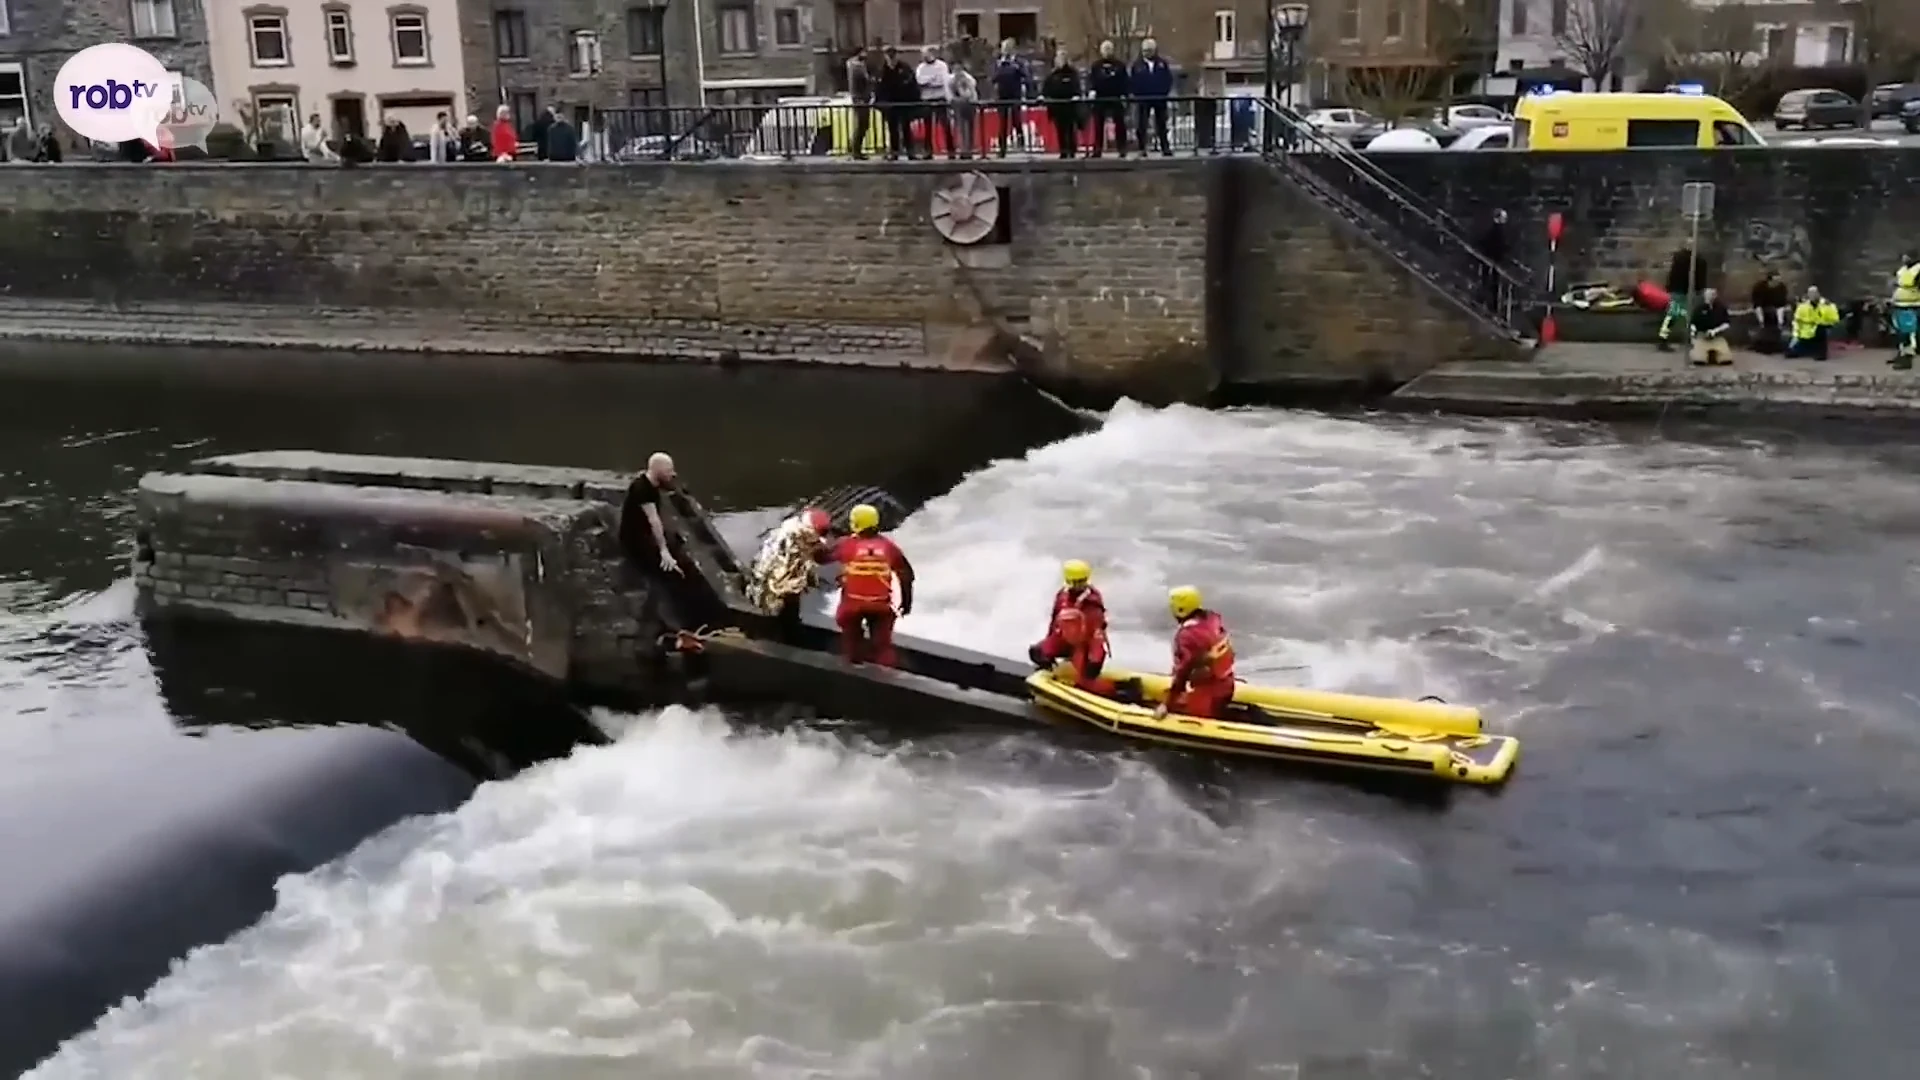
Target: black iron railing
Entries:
(1423, 238)
(1180, 126)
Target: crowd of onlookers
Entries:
(937, 103)
(24, 144)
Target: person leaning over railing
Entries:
(965, 98)
(1151, 83)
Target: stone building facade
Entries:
(37, 36)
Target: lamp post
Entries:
(1286, 25)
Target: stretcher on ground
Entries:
(1383, 734)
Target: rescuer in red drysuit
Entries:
(869, 563)
(1071, 631)
(1202, 659)
(1080, 597)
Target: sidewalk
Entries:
(1597, 380)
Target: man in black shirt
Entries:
(643, 537)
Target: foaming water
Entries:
(1704, 870)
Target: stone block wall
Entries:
(1835, 217)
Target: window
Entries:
(1349, 20)
(1395, 21)
(410, 39)
(1225, 32)
(13, 94)
(583, 53)
(1516, 64)
(786, 26)
(510, 34)
(525, 108)
(1559, 18)
(267, 38)
(339, 36)
(1839, 44)
(1662, 133)
(736, 29)
(1499, 140)
(913, 22)
(1022, 26)
(650, 115)
(5, 27)
(276, 119)
(1728, 133)
(967, 23)
(151, 18)
(850, 24)
(646, 30)
(1773, 43)
(1517, 22)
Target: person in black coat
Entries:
(1492, 245)
(1061, 91)
(897, 93)
(1012, 87)
(1108, 80)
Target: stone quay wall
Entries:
(1835, 217)
(520, 562)
(1156, 279)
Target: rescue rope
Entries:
(693, 641)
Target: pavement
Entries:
(1887, 131)
(1601, 380)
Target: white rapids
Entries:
(695, 902)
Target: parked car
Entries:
(1402, 138)
(1819, 108)
(1910, 116)
(1342, 123)
(1469, 117)
(1490, 137)
(1440, 133)
(1889, 99)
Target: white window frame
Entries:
(1388, 11)
(1826, 45)
(26, 100)
(256, 24)
(793, 13)
(153, 19)
(583, 54)
(744, 13)
(6, 25)
(339, 22)
(292, 102)
(416, 23)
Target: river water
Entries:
(1708, 866)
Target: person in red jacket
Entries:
(869, 563)
(1202, 659)
(506, 136)
(1077, 595)
(1072, 631)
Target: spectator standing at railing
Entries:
(935, 80)
(563, 139)
(1151, 83)
(1492, 245)
(966, 112)
(20, 142)
(1012, 89)
(313, 142)
(898, 95)
(505, 141)
(860, 90)
(1111, 86)
(473, 140)
(1061, 89)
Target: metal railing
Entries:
(1178, 126)
(1422, 238)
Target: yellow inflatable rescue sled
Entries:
(1409, 737)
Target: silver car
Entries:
(1468, 117)
(1342, 124)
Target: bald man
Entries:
(642, 535)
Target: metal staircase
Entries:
(1504, 300)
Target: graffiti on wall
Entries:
(477, 601)
(1777, 247)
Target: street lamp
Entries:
(1286, 25)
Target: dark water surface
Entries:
(1709, 867)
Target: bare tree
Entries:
(1461, 34)
(1123, 22)
(1723, 41)
(1596, 37)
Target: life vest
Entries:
(1809, 317)
(866, 569)
(1906, 286)
(1203, 649)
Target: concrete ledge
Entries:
(1599, 381)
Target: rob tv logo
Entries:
(112, 93)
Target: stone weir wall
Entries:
(519, 562)
(1836, 217)
(1156, 279)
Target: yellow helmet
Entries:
(1183, 600)
(863, 517)
(1074, 572)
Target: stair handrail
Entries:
(1360, 165)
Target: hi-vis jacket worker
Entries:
(1814, 318)
(1203, 678)
(869, 563)
(1076, 595)
(1906, 311)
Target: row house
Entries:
(37, 36)
(354, 64)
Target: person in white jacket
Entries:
(936, 93)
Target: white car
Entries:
(1342, 124)
(1403, 139)
(1487, 137)
(1469, 117)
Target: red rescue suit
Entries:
(1086, 603)
(1077, 647)
(1202, 667)
(868, 564)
